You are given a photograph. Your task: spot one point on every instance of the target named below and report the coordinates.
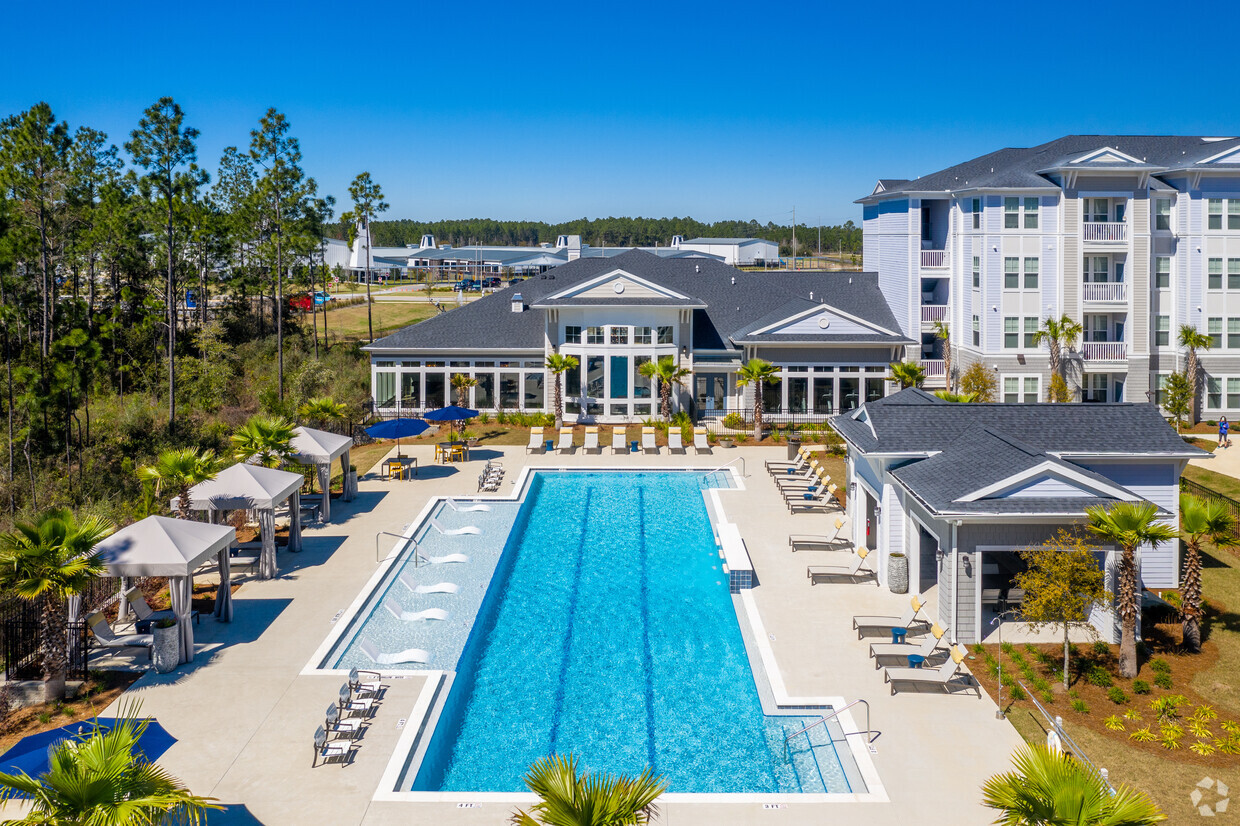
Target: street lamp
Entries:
(998, 620)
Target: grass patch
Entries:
(1221, 482)
(349, 323)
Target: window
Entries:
(1162, 331)
(619, 377)
(665, 335)
(641, 335)
(1011, 390)
(1011, 213)
(1031, 390)
(1011, 273)
(1096, 269)
(1020, 389)
(572, 382)
(1031, 273)
(1233, 213)
(1214, 329)
(594, 377)
(1031, 329)
(1233, 392)
(641, 384)
(594, 335)
(619, 335)
(1031, 213)
(977, 331)
(1162, 272)
(1095, 211)
(1214, 274)
(572, 335)
(1214, 392)
(1214, 213)
(977, 272)
(977, 213)
(1233, 333)
(534, 392)
(1160, 388)
(1233, 273)
(1011, 333)
(1162, 214)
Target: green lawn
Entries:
(1220, 482)
(349, 323)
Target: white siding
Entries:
(1159, 483)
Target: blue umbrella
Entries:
(396, 428)
(451, 413)
(29, 754)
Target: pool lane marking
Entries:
(647, 659)
(568, 636)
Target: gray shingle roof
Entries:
(733, 301)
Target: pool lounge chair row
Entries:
(539, 443)
(345, 720)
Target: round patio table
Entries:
(915, 660)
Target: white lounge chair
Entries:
(468, 508)
(107, 638)
(774, 467)
(648, 443)
(806, 476)
(864, 625)
(701, 443)
(591, 444)
(854, 572)
(536, 445)
(336, 751)
(619, 443)
(821, 500)
(675, 441)
(489, 483)
(947, 676)
(828, 542)
(351, 706)
(438, 588)
(884, 653)
(446, 559)
(566, 441)
(411, 655)
(468, 530)
(349, 729)
(414, 616)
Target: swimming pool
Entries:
(608, 631)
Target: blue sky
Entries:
(557, 111)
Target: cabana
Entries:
(261, 489)
(173, 548)
(320, 448)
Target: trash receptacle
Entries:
(794, 446)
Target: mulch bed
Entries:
(99, 691)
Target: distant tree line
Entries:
(611, 232)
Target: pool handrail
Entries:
(832, 716)
(741, 459)
(400, 546)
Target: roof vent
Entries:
(696, 268)
(734, 280)
(518, 306)
(428, 242)
(811, 295)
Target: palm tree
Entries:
(1057, 333)
(1208, 520)
(104, 778)
(263, 441)
(1050, 788)
(567, 798)
(49, 560)
(907, 374)
(1193, 340)
(759, 373)
(1128, 524)
(943, 332)
(558, 365)
(461, 383)
(178, 470)
(669, 374)
(322, 411)
(956, 398)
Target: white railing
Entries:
(934, 368)
(934, 258)
(1104, 350)
(1104, 291)
(1098, 231)
(933, 312)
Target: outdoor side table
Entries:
(633, 446)
(915, 660)
(898, 634)
(550, 445)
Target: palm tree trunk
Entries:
(183, 508)
(757, 412)
(1193, 370)
(947, 361)
(1128, 599)
(55, 637)
(1190, 598)
(559, 401)
(1066, 651)
(665, 396)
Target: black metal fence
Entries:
(776, 417)
(1204, 492)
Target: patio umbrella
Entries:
(396, 428)
(451, 413)
(29, 754)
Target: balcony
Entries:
(1097, 232)
(1104, 351)
(933, 259)
(931, 313)
(1105, 291)
(934, 368)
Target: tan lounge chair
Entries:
(855, 572)
(946, 676)
(701, 442)
(864, 625)
(536, 445)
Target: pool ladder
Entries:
(871, 733)
(740, 459)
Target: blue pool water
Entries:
(608, 632)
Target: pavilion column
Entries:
(349, 490)
(267, 557)
(181, 589)
(294, 521)
(325, 485)
(223, 596)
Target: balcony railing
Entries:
(934, 368)
(933, 312)
(1104, 232)
(1104, 350)
(1105, 291)
(934, 258)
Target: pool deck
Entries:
(244, 714)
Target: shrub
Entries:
(1143, 735)
(734, 421)
(1202, 748)
(1099, 676)
(1007, 648)
(1040, 684)
(1160, 666)
(1132, 714)
(1114, 723)
(1163, 681)
(1017, 693)
(1170, 739)
(1079, 707)
(1116, 695)
(1204, 712)
(978, 648)
(484, 418)
(1140, 687)
(1166, 708)
(1101, 649)
(980, 382)
(1200, 729)
(1048, 696)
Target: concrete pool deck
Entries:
(244, 714)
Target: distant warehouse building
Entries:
(738, 252)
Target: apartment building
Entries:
(1130, 236)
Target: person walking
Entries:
(1223, 439)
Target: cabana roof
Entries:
(318, 447)
(243, 486)
(161, 546)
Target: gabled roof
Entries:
(160, 546)
(311, 446)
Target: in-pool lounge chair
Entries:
(409, 582)
(536, 445)
(107, 638)
(446, 559)
(591, 445)
(414, 616)
(410, 655)
(855, 572)
(619, 443)
(947, 676)
(879, 625)
(336, 751)
(829, 542)
(701, 443)
(675, 441)
(566, 440)
(897, 653)
(467, 530)
(648, 443)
